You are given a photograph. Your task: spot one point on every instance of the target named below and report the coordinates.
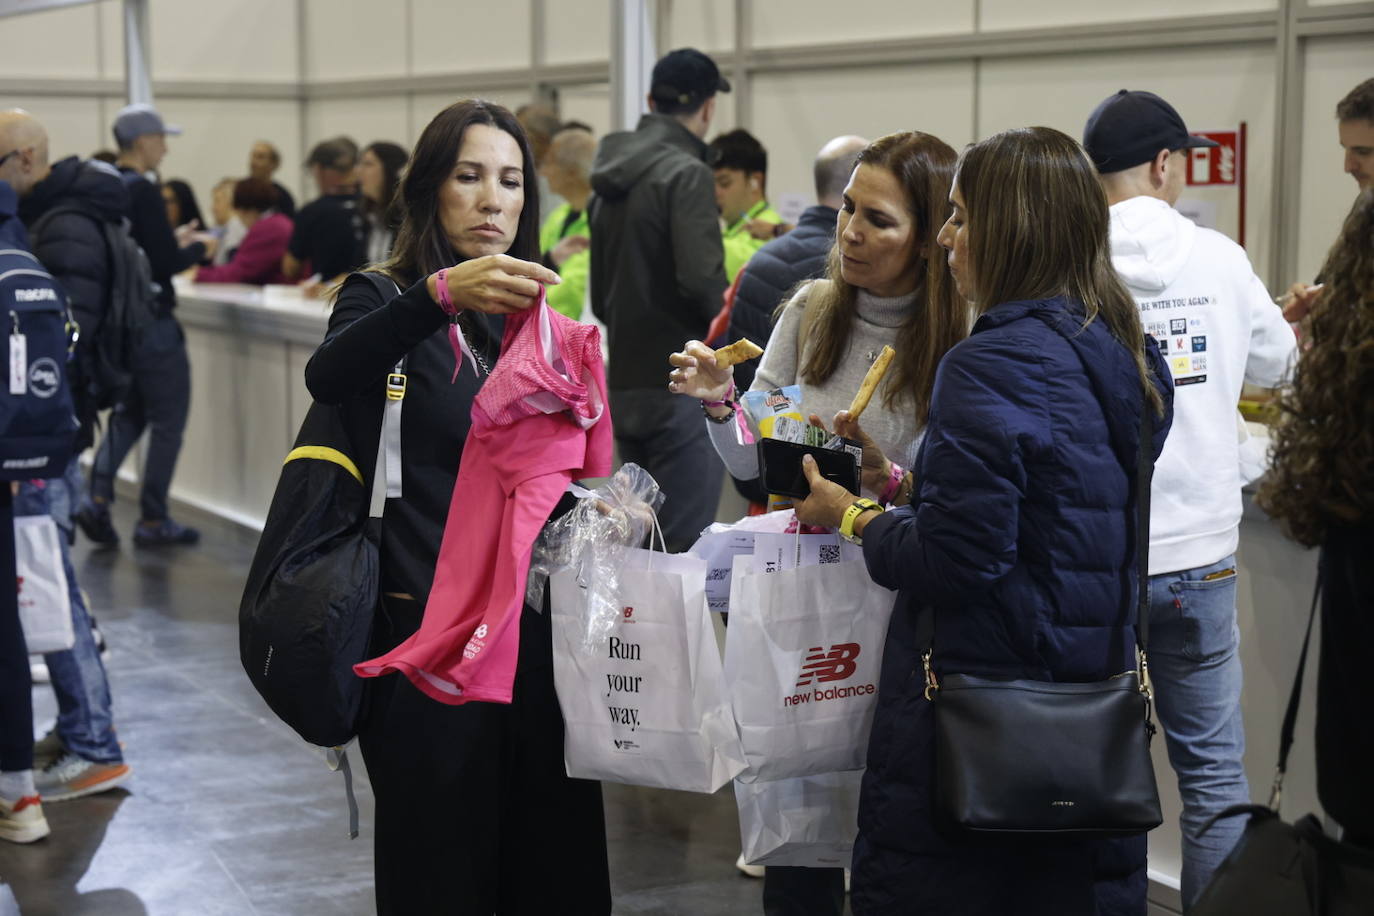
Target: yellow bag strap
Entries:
(324, 453)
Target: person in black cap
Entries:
(1217, 327)
(657, 277)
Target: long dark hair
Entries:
(1038, 225)
(393, 159)
(924, 166)
(1323, 458)
(421, 246)
(186, 201)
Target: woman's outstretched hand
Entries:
(496, 284)
(696, 373)
(874, 468)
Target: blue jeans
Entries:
(158, 402)
(1194, 645)
(85, 721)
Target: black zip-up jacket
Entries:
(658, 265)
(72, 248)
(149, 227)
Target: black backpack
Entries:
(38, 425)
(307, 607)
(132, 308)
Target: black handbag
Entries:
(1040, 757)
(1281, 869)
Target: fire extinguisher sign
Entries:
(1215, 165)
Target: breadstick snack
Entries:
(872, 380)
(738, 352)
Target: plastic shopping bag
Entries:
(802, 655)
(649, 707)
(45, 604)
(808, 822)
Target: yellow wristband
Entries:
(851, 515)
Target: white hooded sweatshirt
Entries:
(1217, 327)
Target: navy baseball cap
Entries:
(1130, 127)
(684, 79)
(134, 121)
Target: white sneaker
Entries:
(71, 776)
(22, 821)
(750, 871)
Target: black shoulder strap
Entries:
(1290, 716)
(1145, 469)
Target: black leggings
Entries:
(475, 812)
(16, 688)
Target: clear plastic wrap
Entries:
(620, 513)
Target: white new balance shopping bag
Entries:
(807, 822)
(45, 609)
(648, 707)
(802, 655)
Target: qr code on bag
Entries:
(830, 553)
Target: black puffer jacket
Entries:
(658, 265)
(73, 250)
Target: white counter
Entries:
(248, 352)
(248, 349)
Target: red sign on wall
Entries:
(1215, 164)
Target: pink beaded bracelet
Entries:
(727, 401)
(894, 483)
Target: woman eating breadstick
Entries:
(885, 286)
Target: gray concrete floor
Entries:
(230, 813)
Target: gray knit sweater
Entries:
(877, 324)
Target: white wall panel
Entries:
(462, 37)
(1334, 67)
(577, 32)
(1017, 14)
(588, 104)
(1212, 88)
(796, 113)
(60, 42)
(218, 136)
(793, 22)
(73, 124)
(425, 105)
(110, 17)
(354, 39)
(214, 40)
(707, 25)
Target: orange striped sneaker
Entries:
(70, 776)
(23, 821)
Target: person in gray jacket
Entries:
(657, 277)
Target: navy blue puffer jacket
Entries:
(1021, 539)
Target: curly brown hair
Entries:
(1323, 456)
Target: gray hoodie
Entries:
(658, 265)
(1217, 327)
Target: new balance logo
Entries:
(822, 667)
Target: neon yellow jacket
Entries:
(739, 244)
(568, 296)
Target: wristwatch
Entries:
(851, 515)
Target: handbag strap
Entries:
(1290, 716)
(386, 470)
(1144, 474)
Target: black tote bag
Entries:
(1281, 869)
